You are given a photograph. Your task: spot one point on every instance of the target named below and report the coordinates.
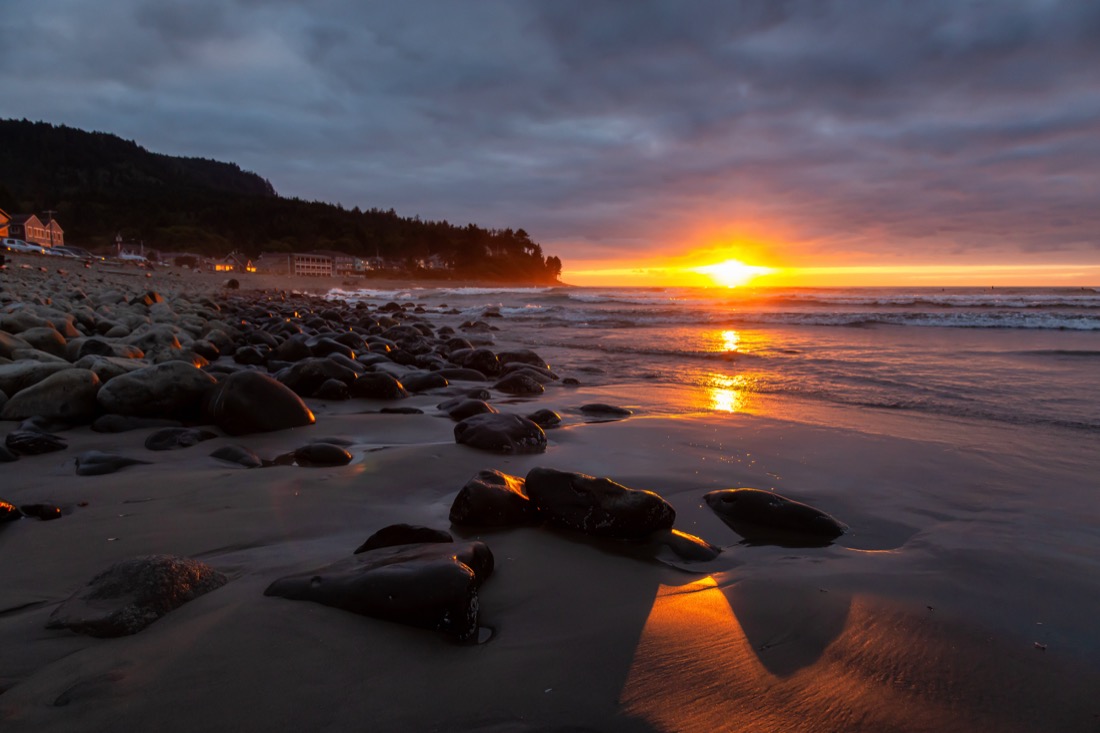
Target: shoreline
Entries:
(926, 615)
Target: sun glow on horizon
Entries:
(732, 273)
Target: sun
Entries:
(732, 273)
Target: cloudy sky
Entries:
(811, 133)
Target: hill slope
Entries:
(101, 185)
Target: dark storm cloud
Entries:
(871, 127)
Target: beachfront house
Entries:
(234, 262)
(4, 221)
(30, 228)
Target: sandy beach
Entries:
(938, 610)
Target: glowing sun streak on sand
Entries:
(814, 661)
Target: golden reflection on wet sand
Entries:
(758, 656)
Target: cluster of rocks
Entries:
(421, 576)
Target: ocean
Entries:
(1011, 357)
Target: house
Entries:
(4, 220)
(234, 262)
(30, 228)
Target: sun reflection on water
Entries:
(727, 394)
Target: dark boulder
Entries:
(176, 438)
(519, 383)
(98, 463)
(33, 442)
(423, 381)
(597, 506)
(764, 516)
(238, 454)
(545, 418)
(172, 389)
(322, 454)
(403, 534)
(43, 512)
(461, 409)
(497, 433)
(378, 386)
(251, 402)
(333, 390)
(69, 395)
(134, 593)
(427, 585)
(606, 412)
(493, 499)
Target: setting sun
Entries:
(732, 273)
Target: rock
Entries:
(493, 499)
(45, 338)
(19, 375)
(522, 356)
(483, 360)
(508, 434)
(238, 454)
(427, 585)
(684, 546)
(307, 375)
(423, 381)
(251, 402)
(332, 389)
(33, 443)
(98, 463)
(403, 534)
(176, 438)
(134, 593)
(461, 374)
(597, 506)
(9, 343)
(378, 386)
(123, 424)
(8, 512)
(68, 395)
(545, 418)
(401, 411)
(764, 516)
(173, 389)
(519, 383)
(43, 512)
(609, 412)
(461, 409)
(322, 454)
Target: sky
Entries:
(869, 141)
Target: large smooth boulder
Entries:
(764, 516)
(69, 396)
(172, 390)
(252, 402)
(45, 338)
(597, 506)
(20, 375)
(377, 386)
(498, 433)
(428, 585)
(134, 593)
(493, 499)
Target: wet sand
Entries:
(939, 610)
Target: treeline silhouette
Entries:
(101, 186)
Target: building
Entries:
(234, 262)
(311, 265)
(4, 221)
(343, 264)
(30, 228)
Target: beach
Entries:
(962, 596)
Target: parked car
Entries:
(69, 250)
(18, 245)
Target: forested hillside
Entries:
(100, 185)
